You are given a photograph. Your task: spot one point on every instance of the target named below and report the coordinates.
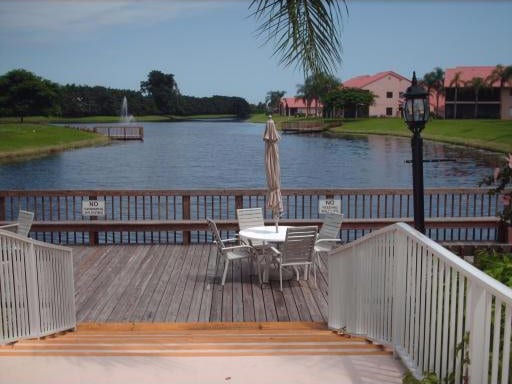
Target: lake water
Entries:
(229, 154)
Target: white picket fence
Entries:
(36, 288)
(398, 287)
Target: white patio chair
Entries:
(298, 249)
(229, 253)
(328, 236)
(249, 218)
(23, 225)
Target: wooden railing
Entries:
(176, 216)
(121, 132)
(400, 288)
(36, 288)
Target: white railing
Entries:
(398, 287)
(36, 288)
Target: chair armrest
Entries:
(10, 227)
(248, 247)
(328, 240)
(227, 241)
(275, 250)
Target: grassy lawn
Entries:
(495, 135)
(29, 140)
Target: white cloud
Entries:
(75, 16)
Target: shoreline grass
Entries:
(493, 135)
(24, 141)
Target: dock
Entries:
(302, 126)
(121, 132)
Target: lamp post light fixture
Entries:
(416, 111)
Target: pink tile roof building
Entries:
(291, 106)
(493, 101)
(468, 73)
(388, 86)
(365, 80)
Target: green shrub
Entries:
(496, 264)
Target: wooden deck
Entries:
(173, 283)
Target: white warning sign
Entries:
(93, 208)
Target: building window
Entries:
(389, 111)
(389, 95)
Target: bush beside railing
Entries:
(398, 287)
(36, 288)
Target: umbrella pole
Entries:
(276, 221)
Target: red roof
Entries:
(298, 102)
(365, 80)
(468, 73)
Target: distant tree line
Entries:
(22, 93)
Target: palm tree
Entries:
(434, 82)
(503, 75)
(456, 83)
(438, 75)
(316, 87)
(477, 83)
(429, 82)
(304, 32)
(305, 92)
(273, 100)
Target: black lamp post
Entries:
(416, 111)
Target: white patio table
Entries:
(266, 233)
(269, 235)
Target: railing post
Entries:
(93, 235)
(239, 202)
(335, 291)
(501, 234)
(2, 208)
(33, 292)
(186, 216)
(351, 294)
(476, 312)
(400, 286)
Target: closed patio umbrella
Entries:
(273, 171)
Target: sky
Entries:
(212, 47)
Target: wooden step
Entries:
(196, 339)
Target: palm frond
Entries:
(306, 33)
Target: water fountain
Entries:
(126, 130)
(125, 118)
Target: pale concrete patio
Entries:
(185, 370)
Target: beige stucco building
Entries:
(388, 86)
(506, 103)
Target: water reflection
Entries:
(230, 155)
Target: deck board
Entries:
(176, 283)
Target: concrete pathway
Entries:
(187, 370)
